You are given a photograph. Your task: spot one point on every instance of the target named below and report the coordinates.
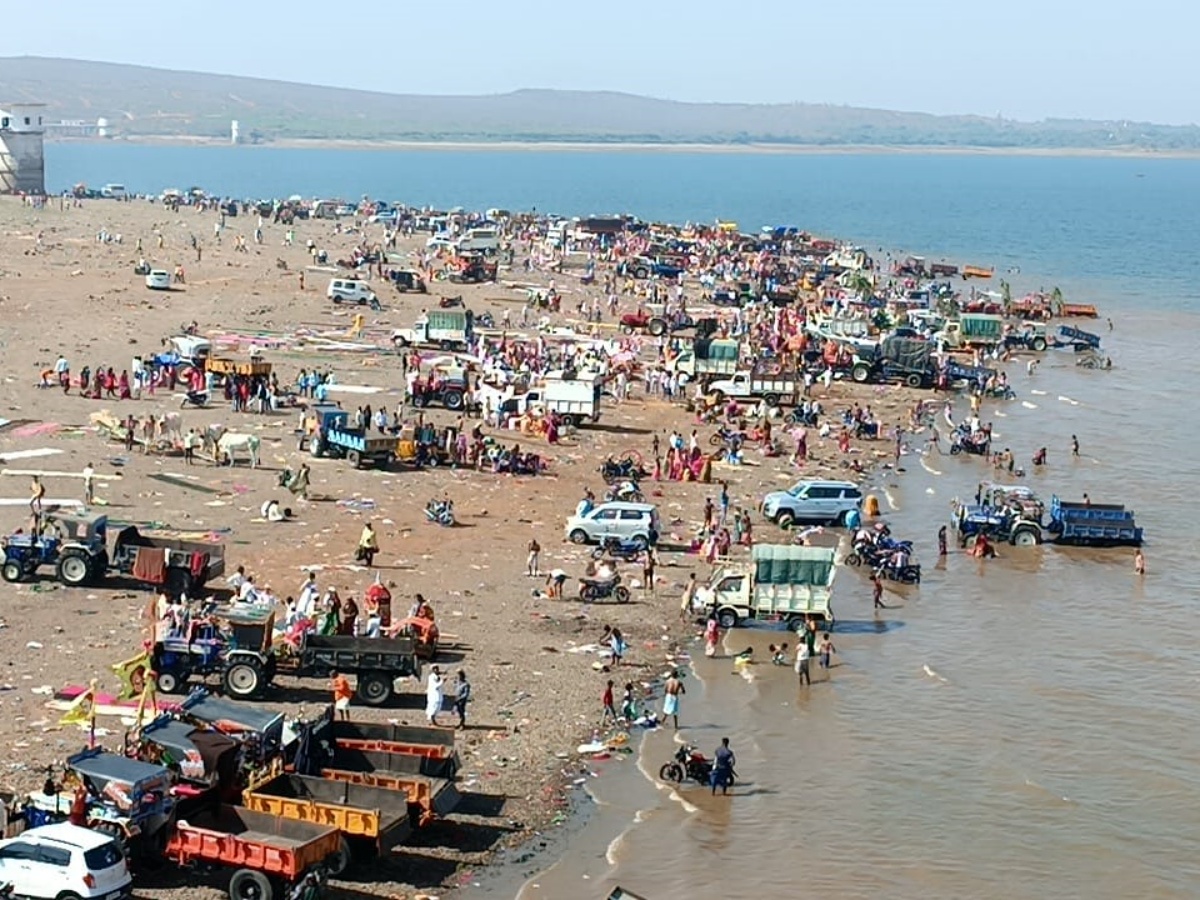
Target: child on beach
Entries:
(628, 704)
(778, 654)
(825, 649)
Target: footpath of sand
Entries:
(534, 700)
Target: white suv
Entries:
(65, 861)
(813, 501)
(350, 290)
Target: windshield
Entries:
(797, 489)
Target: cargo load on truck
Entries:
(445, 329)
(781, 581)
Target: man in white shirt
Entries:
(802, 659)
(308, 595)
(237, 579)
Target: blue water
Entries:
(1125, 228)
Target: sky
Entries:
(1020, 59)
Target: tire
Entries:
(671, 772)
(785, 519)
(399, 343)
(794, 622)
(12, 571)
(67, 895)
(641, 272)
(772, 399)
(170, 681)
(73, 569)
(179, 582)
(727, 619)
(243, 679)
(337, 300)
(718, 396)
(587, 594)
(657, 327)
(578, 536)
(914, 380)
(339, 862)
(314, 448)
(853, 560)
(247, 884)
(622, 594)
(1039, 344)
(955, 449)
(860, 374)
(598, 553)
(1025, 537)
(453, 401)
(375, 688)
(640, 541)
(354, 458)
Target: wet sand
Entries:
(534, 700)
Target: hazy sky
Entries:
(1024, 59)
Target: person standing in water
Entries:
(1139, 562)
(722, 771)
(672, 691)
(1074, 445)
(941, 538)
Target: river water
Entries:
(1024, 727)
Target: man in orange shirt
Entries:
(342, 693)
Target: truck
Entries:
(781, 581)
(445, 329)
(574, 396)
(707, 358)
(376, 662)
(895, 358)
(370, 820)
(327, 432)
(971, 330)
(269, 855)
(783, 387)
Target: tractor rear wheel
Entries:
(73, 569)
(375, 688)
(243, 679)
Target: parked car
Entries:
(64, 860)
(637, 522)
(348, 290)
(813, 501)
(158, 280)
(385, 217)
(440, 240)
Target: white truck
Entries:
(706, 359)
(776, 389)
(446, 329)
(478, 240)
(575, 399)
(781, 581)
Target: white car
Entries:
(54, 862)
(158, 280)
(439, 240)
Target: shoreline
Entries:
(547, 146)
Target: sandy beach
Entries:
(536, 691)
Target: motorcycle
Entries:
(874, 554)
(485, 320)
(626, 491)
(964, 443)
(689, 763)
(198, 399)
(627, 469)
(618, 548)
(441, 512)
(450, 302)
(907, 574)
(591, 590)
(725, 436)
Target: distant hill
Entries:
(141, 101)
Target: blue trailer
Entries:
(1093, 525)
(1070, 336)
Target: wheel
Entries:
(772, 399)
(727, 619)
(337, 300)
(453, 401)
(375, 688)
(354, 458)
(67, 895)
(622, 594)
(243, 679)
(338, 863)
(179, 582)
(640, 542)
(853, 560)
(914, 380)
(785, 519)
(1039, 344)
(12, 571)
(657, 327)
(399, 343)
(578, 536)
(840, 520)
(641, 273)
(598, 553)
(671, 772)
(955, 449)
(1025, 537)
(861, 373)
(73, 569)
(587, 594)
(247, 884)
(169, 681)
(794, 622)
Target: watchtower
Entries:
(22, 156)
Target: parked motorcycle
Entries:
(198, 399)
(450, 302)
(963, 442)
(874, 554)
(441, 512)
(691, 764)
(618, 548)
(591, 590)
(627, 491)
(627, 469)
(908, 574)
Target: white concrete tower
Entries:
(22, 157)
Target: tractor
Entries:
(75, 544)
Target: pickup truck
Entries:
(445, 329)
(266, 853)
(371, 820)
(775, 389)
(782, 581)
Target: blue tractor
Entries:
(74, 544)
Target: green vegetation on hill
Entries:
(141, 101)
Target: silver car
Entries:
(636, 522)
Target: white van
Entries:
(479, 240)
(113, 191)
(351, 291)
